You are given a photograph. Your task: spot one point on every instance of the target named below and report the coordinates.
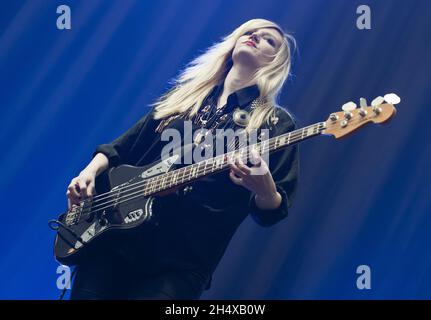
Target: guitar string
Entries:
(219, 167)
(138, 194)
(151, 185)
(175, 184)
(153, 181)
(113, 193)
(213, 161)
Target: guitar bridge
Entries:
(74, 215)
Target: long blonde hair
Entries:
(195, 82)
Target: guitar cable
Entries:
(55, 225)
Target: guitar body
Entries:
(94, 229)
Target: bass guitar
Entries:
(127, 202)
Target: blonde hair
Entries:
(195, 82)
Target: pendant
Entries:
(241, 117)
(274, 120)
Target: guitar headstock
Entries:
(342, 123)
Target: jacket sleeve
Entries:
(284, 167)
(119, 151)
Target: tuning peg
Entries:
(377, 101)
(343, 123)
(349, 106)
(362, 112)
(377, 110)
(392, 98)
(333, 117)
(348, 115)
(363, 102)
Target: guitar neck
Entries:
(190, 173)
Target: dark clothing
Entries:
(110, 277)
(197, 225)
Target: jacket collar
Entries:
(240, 98)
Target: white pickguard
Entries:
(161, 167)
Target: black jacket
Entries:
(198, 224)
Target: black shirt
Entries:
(197, 225)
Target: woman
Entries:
(233, 85)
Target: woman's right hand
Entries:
(81, 187)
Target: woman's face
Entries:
(256, 47)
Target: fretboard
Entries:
(190, 173)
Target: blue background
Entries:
(361, 200)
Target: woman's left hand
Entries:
(257, 178)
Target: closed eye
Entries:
(271, 42)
